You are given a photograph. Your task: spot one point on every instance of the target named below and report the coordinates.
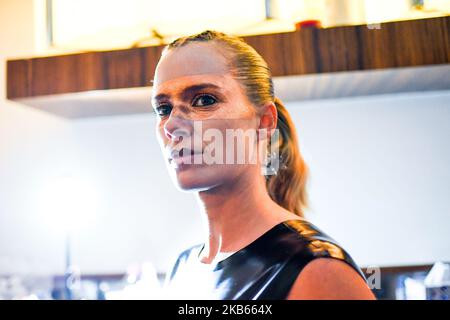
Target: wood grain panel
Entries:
(18, 78)
(64, 74)
(307, 51)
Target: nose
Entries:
(177, 127)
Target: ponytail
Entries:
(288, 186)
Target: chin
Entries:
(196, 179)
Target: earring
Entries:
(272, 163)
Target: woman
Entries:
(258, 244)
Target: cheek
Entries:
(243, 107)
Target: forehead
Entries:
(193, 59)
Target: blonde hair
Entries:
(288, 186)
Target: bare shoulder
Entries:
(329, 279)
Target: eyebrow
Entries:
(187, 91)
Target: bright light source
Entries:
(67, 203)
(386, 10)
(103, 24)
(437, 5)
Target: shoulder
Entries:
(329, 278)
(317, 244)
(328, 271)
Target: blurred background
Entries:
(87, 208)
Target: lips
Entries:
(183, 155)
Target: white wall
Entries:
(142, 216)
(379, 178)
(380, 174)
(30, 145)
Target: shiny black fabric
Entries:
(266, 268)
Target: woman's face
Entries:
(198, 103)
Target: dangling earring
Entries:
(273, 159)
(272, 163)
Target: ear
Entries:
(268, 117)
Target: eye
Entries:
(163, 110)
(205, 100)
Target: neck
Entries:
(238, 213)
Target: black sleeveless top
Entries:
(265, 269)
